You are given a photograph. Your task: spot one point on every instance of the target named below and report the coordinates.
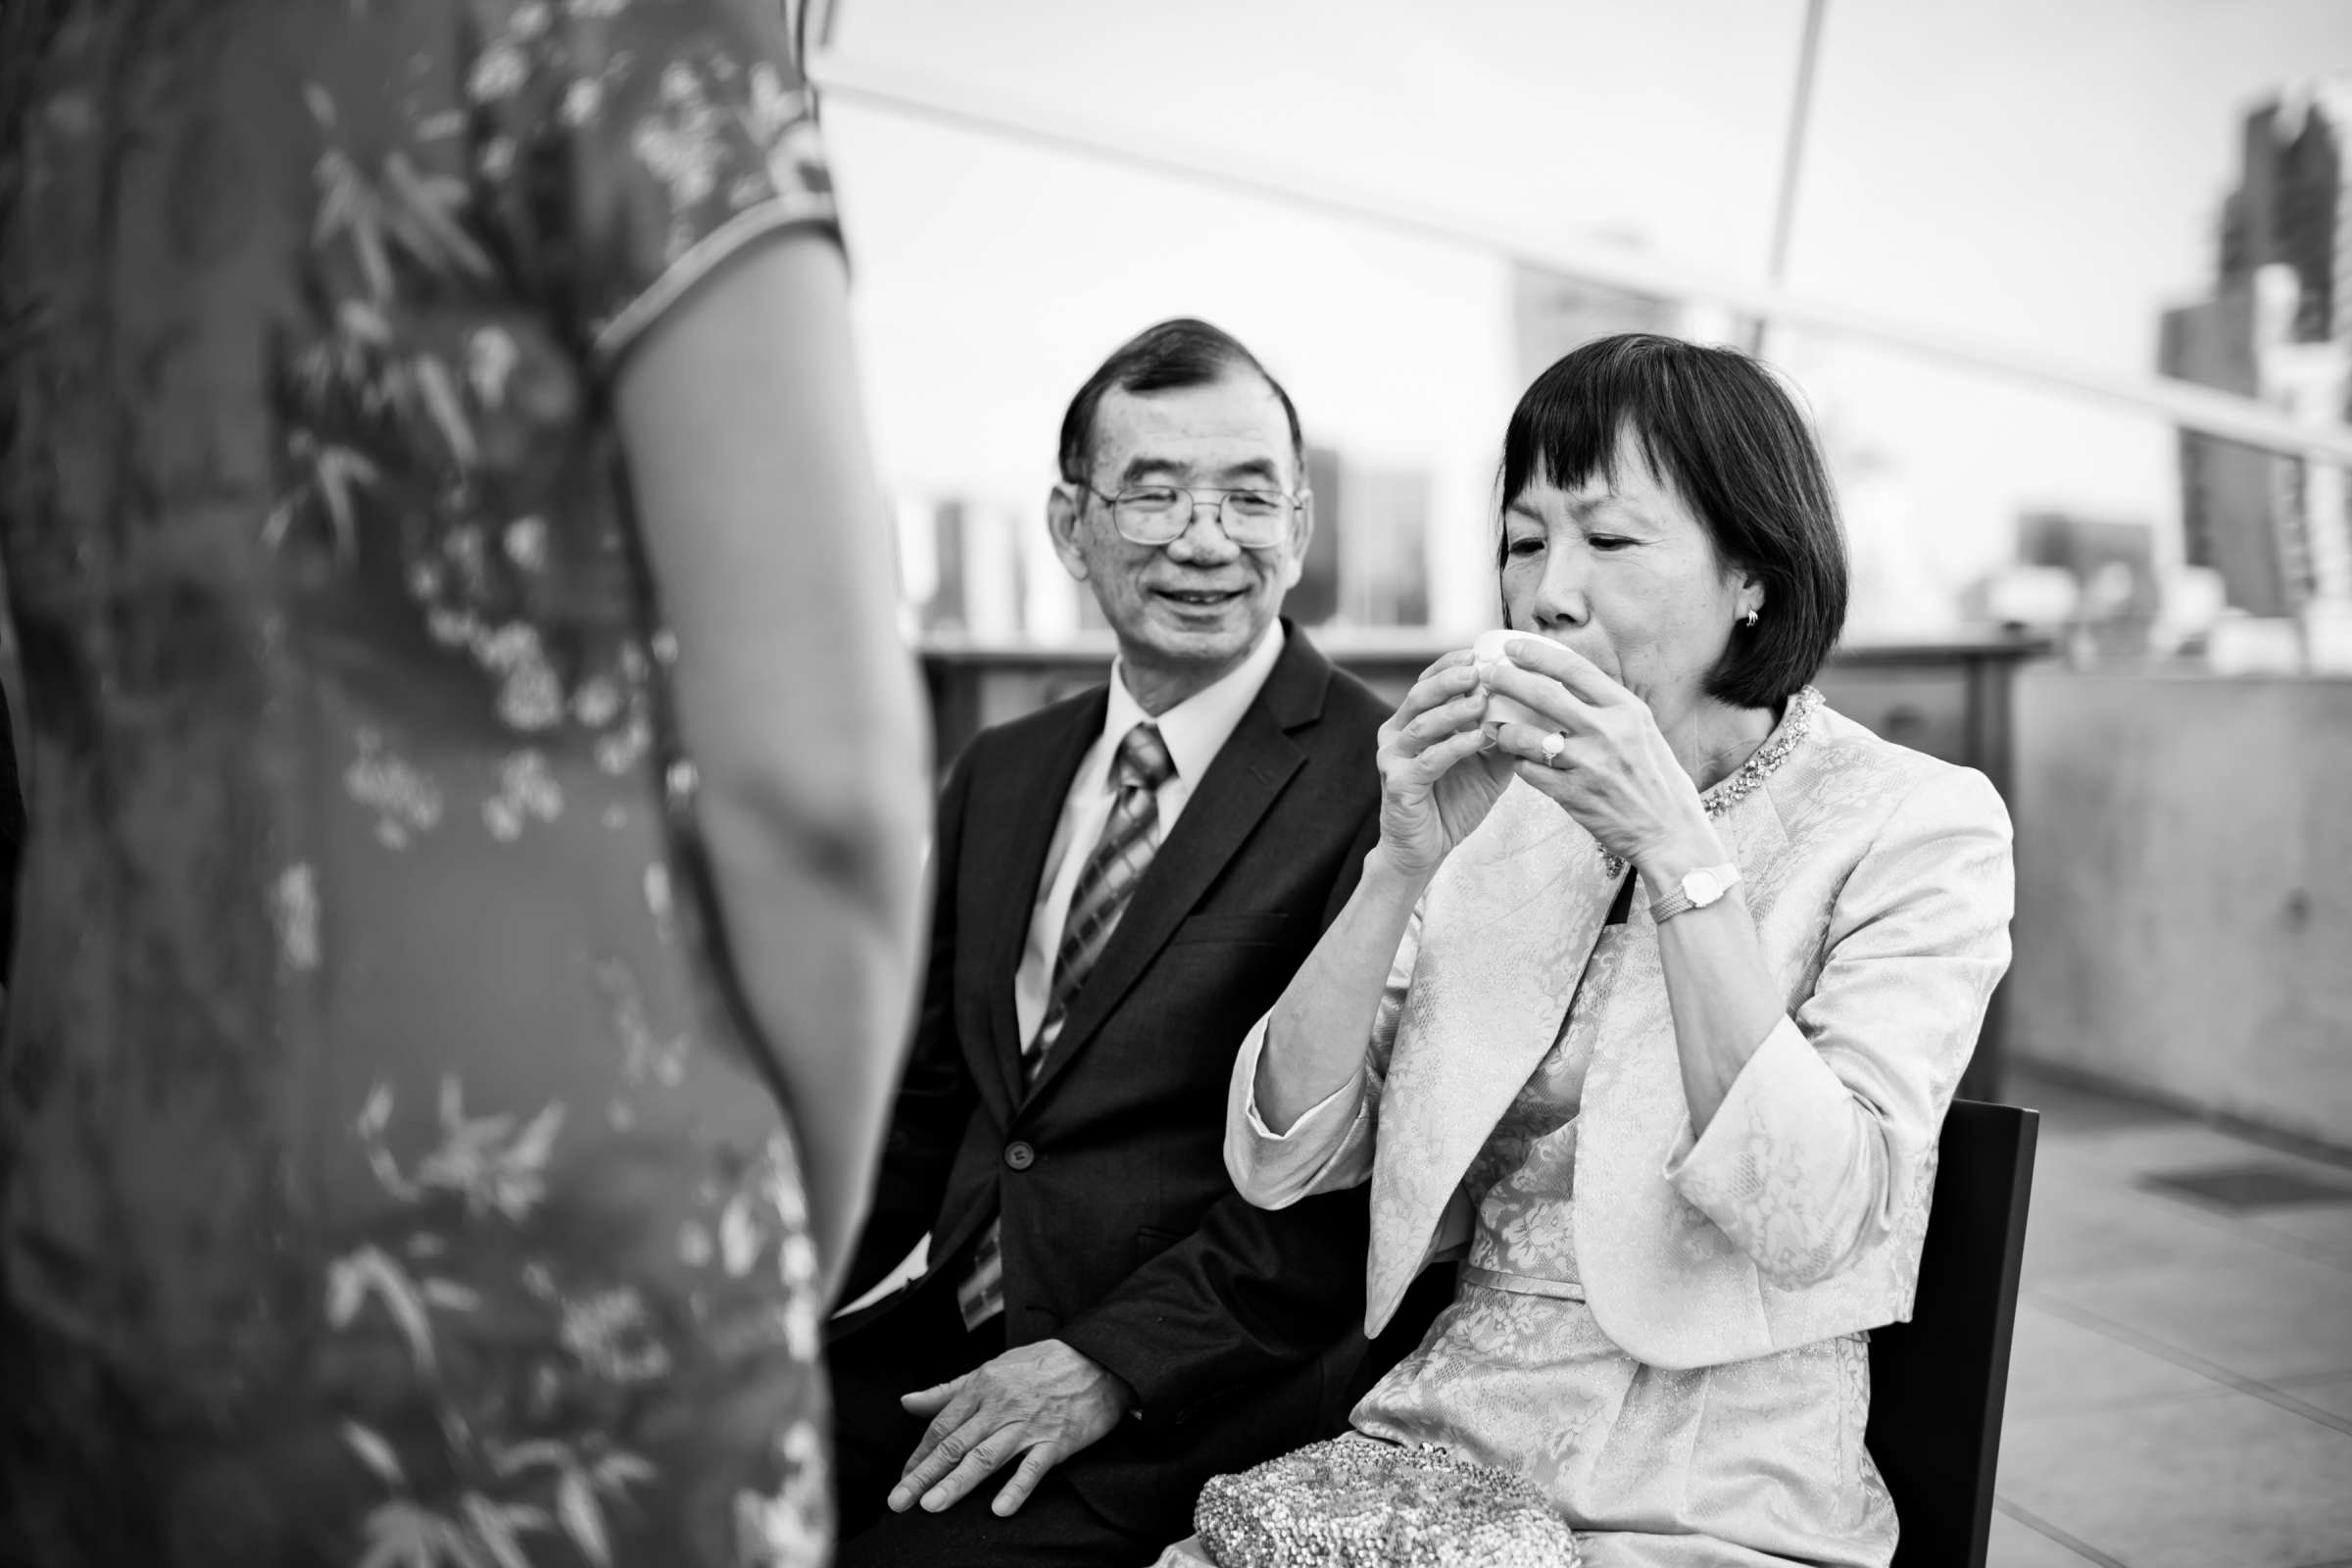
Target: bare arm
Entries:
(1722, 995)
(1618, 776)
(1436, 784)
(771, 548)
(1315, 1037)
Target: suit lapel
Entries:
(1005, 867)
(1508, 924)
(1241, 785)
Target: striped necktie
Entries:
(1120, 859)
(1109, 880)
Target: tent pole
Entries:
(1793, 156)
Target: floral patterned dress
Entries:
(1751, 1464)
(1747, 1465)
(392, 1175)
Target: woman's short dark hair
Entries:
(1166, 358)
(1715, 424)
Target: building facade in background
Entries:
(2278, 327)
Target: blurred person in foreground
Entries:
(476, 792)
(1648, 1006)
(1126, 880)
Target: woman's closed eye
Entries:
(1532, 545)
(1610, 542)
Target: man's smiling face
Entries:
(1190, 610)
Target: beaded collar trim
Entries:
(1784, 738)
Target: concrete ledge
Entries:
(2184, 890)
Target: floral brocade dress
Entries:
(390, 1174)
(1747, 1465)
(1750, 1464)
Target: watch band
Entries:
(1678, 902)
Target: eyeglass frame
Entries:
(1191, 502)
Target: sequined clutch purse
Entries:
(1356, 1502)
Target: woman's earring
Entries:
(1751, 621)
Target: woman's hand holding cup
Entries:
(1595, 747)
(1439, 773)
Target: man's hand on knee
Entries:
(1041, 1403)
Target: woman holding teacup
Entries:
(1648, 1009)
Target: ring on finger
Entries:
(1553, 745)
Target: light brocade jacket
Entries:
(1881, 884)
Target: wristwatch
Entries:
(1695, 891)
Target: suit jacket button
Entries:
(1019, 1156)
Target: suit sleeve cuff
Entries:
(1156, 1397)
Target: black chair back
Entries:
(1937, 1382)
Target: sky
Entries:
(2039, 173)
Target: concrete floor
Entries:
(2180, 1388)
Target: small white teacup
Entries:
(1488, 650)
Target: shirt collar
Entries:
(1196, 729)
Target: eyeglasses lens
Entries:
(1251, 519)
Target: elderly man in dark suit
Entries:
(1127, 880)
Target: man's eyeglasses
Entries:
(1159, 514)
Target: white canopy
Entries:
(2011, 184)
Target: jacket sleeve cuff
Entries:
(1780, 1167)
(1272, 1170)
(1319, 1124)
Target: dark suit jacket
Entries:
(1239, 1329)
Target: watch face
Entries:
(1703, 888)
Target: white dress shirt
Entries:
(1193, 731)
